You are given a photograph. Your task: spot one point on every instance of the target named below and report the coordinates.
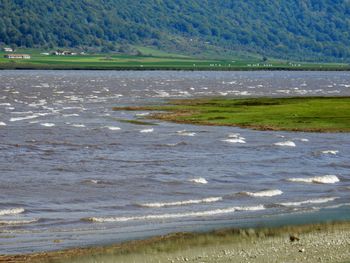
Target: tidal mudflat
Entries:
(75, 173)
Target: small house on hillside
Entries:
(17, 56)
(8, 49)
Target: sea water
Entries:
(70, 171)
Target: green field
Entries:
(154, 60)
(314, 114)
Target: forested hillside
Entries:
(293, 29)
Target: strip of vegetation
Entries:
(162, 61)
(309, 114)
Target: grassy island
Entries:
(309, 114)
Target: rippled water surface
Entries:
(72, 172)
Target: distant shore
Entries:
(155, 60)
(327, 242)
(170, 68)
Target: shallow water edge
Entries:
(329, 222)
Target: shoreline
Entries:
(179, 69)
(322, 242)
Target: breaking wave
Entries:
(174, 215)
(11, 211)
(181, 203)
(334, 152)
(285, 144)
(265, 193)
(311, 201)
(18, 222)
(186, 133)
(112, 128)
(24, 118)
(47, 124)
(147, 130)
(199, 180)
(235, 140)
(326, 179)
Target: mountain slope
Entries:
(294, 29)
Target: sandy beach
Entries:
(307, 243)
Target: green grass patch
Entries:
(311, 114)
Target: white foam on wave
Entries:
(285, 144)
(174, 215)
(265, 193)
(198, 180)
(18, 222)
(78, 125)
(337, 206)
(234, 140)
(311, 201)
(113, 128)
(325, 179)
(334, 152)
(24, 118)
(11, 211)
(47, 124)
(71, 115)
(304, 140)
(2, 123)
(186, 133)
(147, 130)
(181, 203)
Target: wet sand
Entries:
(307, 243)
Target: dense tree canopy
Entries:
(299, 29)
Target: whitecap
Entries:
(71, 115)
(265, 193)
(2, 123)
(334, 152)
(147, 130)
(174, 215)
(325, 179)
(113, 128)
(311, 201)
(24, 118)
(47, 124)
(237, 140)
(198, 180)
(78, 125)
(181, 203)
(18, 222)
(186, 133)
(11, 211)
(286, 143)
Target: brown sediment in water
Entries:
(328, 242)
